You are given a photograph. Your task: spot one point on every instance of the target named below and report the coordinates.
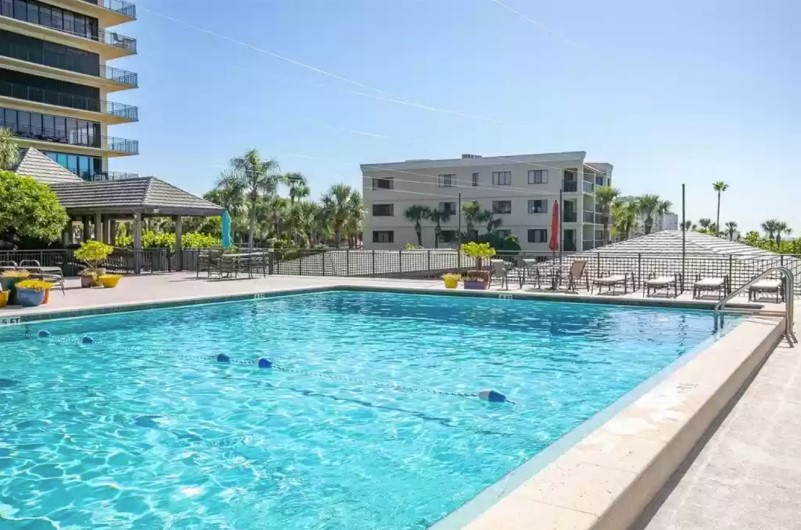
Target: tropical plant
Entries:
(416, 213)
(704, 223)
(298, 186)
(719, 187)
(34, 285)
(438, 217)
(255, 178)
(606, 195)
(339, 204)
(302, 220)
(624, 215)
(687, 225)
(472, 214)
(353, 226)
(93, 253)
(781, 228)
(648, 206)
(477, 251)
(713, 229)
(731, 226)
(15, 274)
(9, 151)
(29, 209)
(488, 216)
(771, 227)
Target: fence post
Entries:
(428, 261)
(373, 263)
(347, 262)
(639, 270)
(731, 271)
(400, 263)
(272, 262)
(598, 266)
(300, 264)
(322, 256)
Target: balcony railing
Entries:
(113, 175)
(589, 187)
(62, 99)
(570, 246)
(79, 138)
(570, 186)
(589, 216)
(588, 245)
(64, 63)
(120, 6)
(569, 217)
(106, 37)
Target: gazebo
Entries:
(100, 205)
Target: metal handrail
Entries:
(789, 303)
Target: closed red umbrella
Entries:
(553, 243)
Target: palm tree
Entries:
(687, 225)
(472, 214)
(298, 187)
(648, 206)
(704, 223)
(488, 216)
(9, 152)
(606, 195)
(356, 214)
(302, 220)
(713, 229)
(624, 215)
(771, 226)
(438, 216)
(416, 213)
(731, 226)
(338, 204)
(257, 177)
(781, 228)
(719, 187)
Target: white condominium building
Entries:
(519, 190)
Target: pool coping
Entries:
(602, 477)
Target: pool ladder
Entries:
(789, 301)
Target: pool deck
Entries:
(621, 466)
(748, 475)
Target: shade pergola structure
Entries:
(99, 205)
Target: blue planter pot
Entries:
(29, 297)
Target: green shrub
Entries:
(93, 253)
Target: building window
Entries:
(85, 167)
(383, 236)
(475, 179)
(50, 128)
(383, 184)
(449, 207)
(538, 206)
(538, 235)
(503, 233)
(445, 181)
(501, 207)
(447, 236)
(502, 178)
(538, 176)
(383, 210)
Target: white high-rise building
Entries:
(519, 190)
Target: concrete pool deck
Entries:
(607, 479)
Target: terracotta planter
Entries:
(475, 284)
(87, 281)
(30, 298)
(46, 296)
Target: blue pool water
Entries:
(139, 430)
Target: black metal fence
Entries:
(122, 260)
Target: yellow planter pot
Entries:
(4, 298)
(451, 283)
(109, 281)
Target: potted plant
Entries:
(31, 293)
(9, 280)
(451, 280)
(3, 297)
(109, 281)
(94, 253)
(477, 278)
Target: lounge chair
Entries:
(53, 275)
(766, 286)
(578, 270)
(719, 285)
(612, 281)
(657, 283)
(502, 271)
(8, 265)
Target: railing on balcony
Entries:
(589, 216)
(588, 244)
(120, 6)
(80, 138)
(570, 246)
(570, 186)
(569, 217)
(113, 175)
(68, 26)
(62, 99)
(64, 62)
(588, 187)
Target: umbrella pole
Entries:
(561, 228)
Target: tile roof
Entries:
(34, 163)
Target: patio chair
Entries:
(53, 275)
(655, 284)
(8, 265)
(611, 282)
(502, 271)
(577, 271)
(531, 273)
(702, 285)
(207, 260)
(766, 286)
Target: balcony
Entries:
(569, 217)
(74, 138)
(108, 73)
(569, 246)
(113, 175)
(118, 8)
(25, 19)
(589, 216)
(570, 186)
(118, 111)
(588, 187)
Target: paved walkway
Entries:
(748, 476)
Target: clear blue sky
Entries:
(685, 91)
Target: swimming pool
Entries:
(368, 418)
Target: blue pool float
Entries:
(43, 334)
(492, 396)
(87, 340)
(222, 358)
(264, 363)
